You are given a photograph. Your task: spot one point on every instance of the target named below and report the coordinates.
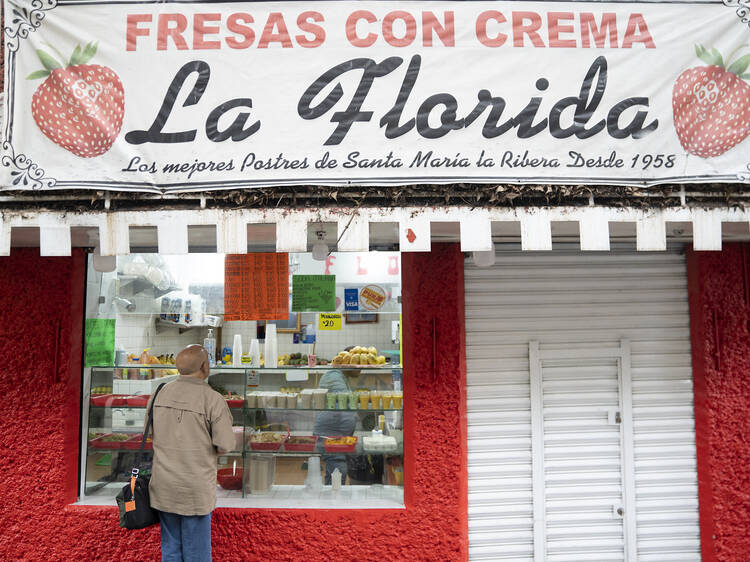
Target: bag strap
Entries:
(149, 423)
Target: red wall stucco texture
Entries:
(719, 312)
(37, 524)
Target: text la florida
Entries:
(398, 28)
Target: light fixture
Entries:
(320, 249)
(484, 258)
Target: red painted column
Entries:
(435, 374)
(719, 293)
(701, 406)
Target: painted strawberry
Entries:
(79, 106)
(711, 104)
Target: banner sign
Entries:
(187, 96)
(256, 286)
(313, 293)
(100, 342)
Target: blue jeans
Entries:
(185, 538)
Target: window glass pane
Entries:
(331, 406)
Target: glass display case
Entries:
(291, 423)
(331, 406)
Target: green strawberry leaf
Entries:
(746, 76)
(740, 65)
(47, 60)
(75, 58)
(38, 74)
(89, 52)
(718, 61)
(57, 51)
(702, 54)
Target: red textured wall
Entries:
(37, 294)
(719, 284)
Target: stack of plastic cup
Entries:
(313, 480)
(254, 353)
(271, 347)
(237, 351)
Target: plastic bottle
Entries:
(210, 344)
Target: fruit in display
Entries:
(358, 355)
(341, 440)
(116, 437)
(98, 390)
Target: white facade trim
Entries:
(414, 226)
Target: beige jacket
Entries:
(191, 421)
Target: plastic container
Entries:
(331, 399)
(319, 398)
(272, 446)
(353, 401)
(258, 480)
(306, 399)
(230, 478)
(330, 448)
(134, 443)
(252, 399)
(342, 399)
(266, 400)
(379, 444)
(139, 401)
(306, 447)
(99, 444)
(110, 400)
(235, 402)
(291, 401)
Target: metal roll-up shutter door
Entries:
(580, 408)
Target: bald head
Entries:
(193, 361)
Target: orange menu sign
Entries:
(256, 286)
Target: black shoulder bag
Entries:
(133, 500)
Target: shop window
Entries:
(330, 397)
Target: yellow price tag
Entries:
(329, 321)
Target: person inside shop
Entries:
(335, 423)
(192, 425)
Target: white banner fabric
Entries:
(189, 96)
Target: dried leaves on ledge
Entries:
(462, 194)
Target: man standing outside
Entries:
(192, 424)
